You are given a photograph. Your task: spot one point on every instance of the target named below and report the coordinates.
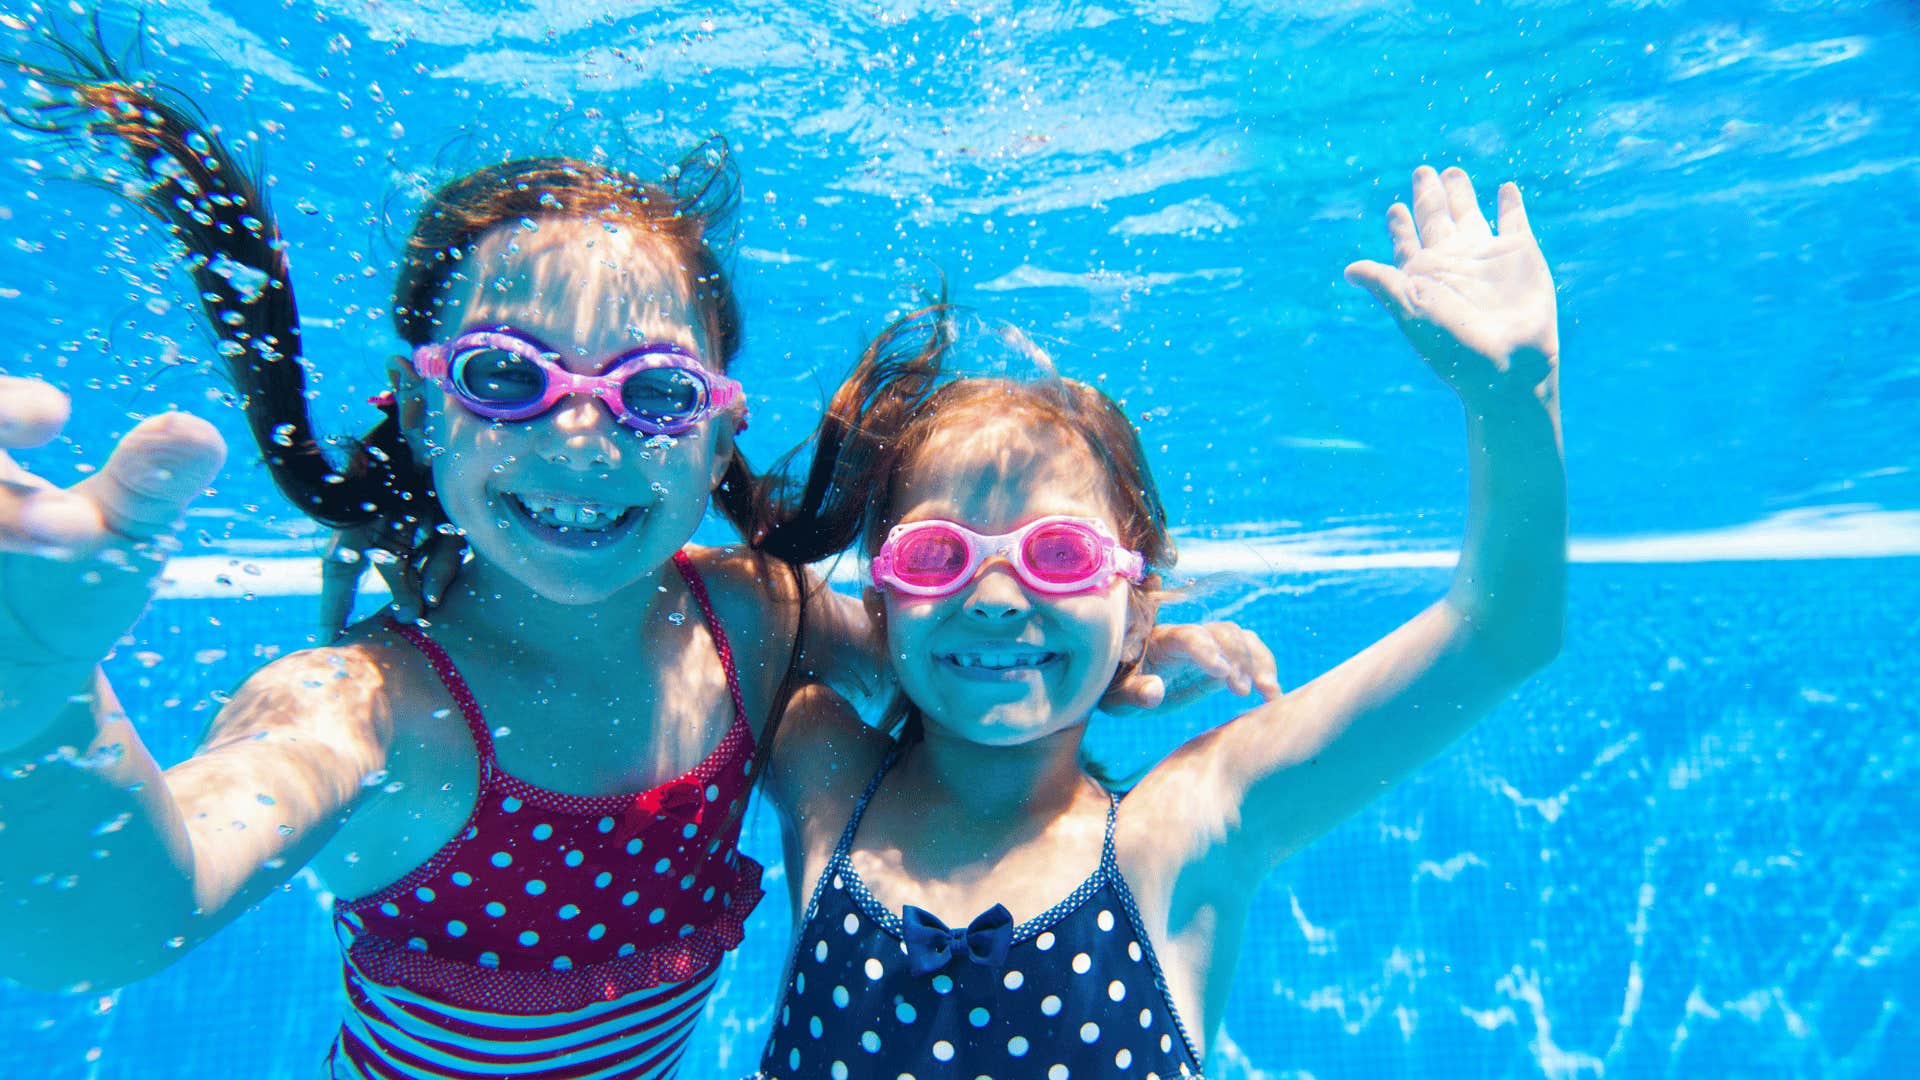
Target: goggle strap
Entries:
(431, 361)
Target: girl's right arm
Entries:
(109, 867)
(1480, 309)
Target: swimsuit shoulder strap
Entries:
(698, 587)
(457, 689)
(860, 808)
(1109, 862)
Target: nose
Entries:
(997, 595)
(584, 433)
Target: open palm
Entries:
(77, 565)
(1478, 306)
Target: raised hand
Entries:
(1185, 662)
(77, 565)
(1479, 306)
(417, 578)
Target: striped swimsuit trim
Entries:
(393, 1034)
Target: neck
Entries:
(490, 608)
(1035, 779)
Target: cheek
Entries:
(1100, 620)
(904, 634)
(466, 448)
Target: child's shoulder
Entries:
(371, 669)
(823, 755)
(753, 594)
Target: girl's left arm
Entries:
(1480, 309)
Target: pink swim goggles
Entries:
(1055, 555)
(506, 374)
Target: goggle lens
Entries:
(497, 377)
(663, 395)
(1062, 554)
(931, 558)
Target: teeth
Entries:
(584, 516)
(1000, 661)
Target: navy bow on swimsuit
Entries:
(1073, 992)
(931, 943)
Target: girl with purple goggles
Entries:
(503, 373)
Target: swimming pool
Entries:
(1680, 850)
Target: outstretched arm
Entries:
(1480, 309)
(110, 868)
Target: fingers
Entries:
(1513, 212)
(1464, 205)
(38, 519)
(1432, 209)
(31, 413)
(1406, 240)
(411, 404)
(1387, 284)
(1241, 651)
(1137, 692)
(341, 569)
(442, 565)
(402, 577)
(1209, 655)
(1264, 668)
(1239, 660)
(158, 468)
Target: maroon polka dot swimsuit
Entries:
(591, 926)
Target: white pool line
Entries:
(1796, 535)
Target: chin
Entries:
(575, 588)
(1009, 727)
(573, 595)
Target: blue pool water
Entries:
(1680, 851)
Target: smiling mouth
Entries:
(573, 521)
(998, 661)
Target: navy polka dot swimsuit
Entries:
(1073, 992)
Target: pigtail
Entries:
(182, 174)
(820, 512)
(806, 516)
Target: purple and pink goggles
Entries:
(506, 374)
(1055, 555)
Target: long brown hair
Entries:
(897, 397)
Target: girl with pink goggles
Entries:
(503, 373)
(1055, 555)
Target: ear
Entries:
(410, 404)
(876, 605)
(1143, 612)
(722, 452)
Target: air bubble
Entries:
(113, 824)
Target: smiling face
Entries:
(998, 663)
(571, 503)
